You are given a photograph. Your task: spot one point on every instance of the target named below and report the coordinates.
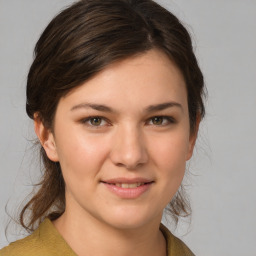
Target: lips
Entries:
(131, 185)
(123, 180)
(127, 185)
(128, 188)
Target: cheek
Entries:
(81, 160)
(169, 155)
(80, 154)
(172, 150)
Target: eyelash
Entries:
(87, 121)
(169, 119)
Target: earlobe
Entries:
(46, 139)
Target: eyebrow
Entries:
(150, 108)
(98, 107)
(162, 106)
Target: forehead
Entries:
(145, 79)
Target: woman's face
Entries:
(122, 140)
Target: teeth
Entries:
(131, 185)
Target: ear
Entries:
(46, 139)
(192, 138)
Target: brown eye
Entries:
(95, 121)
(157, 120)
(161, 120)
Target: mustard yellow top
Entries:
(46, 241)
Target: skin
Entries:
(126, 142)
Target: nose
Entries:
(129, 148)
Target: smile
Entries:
(128, 189)
(129, 185)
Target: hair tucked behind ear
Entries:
(75, 46)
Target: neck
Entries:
(87, 236)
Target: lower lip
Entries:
(128, 193)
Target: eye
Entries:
(95, 121)
(161, 120)
(157, 120)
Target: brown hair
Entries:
(76, 45)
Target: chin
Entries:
(131, 218)
(127, 224)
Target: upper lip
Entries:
(127, 180)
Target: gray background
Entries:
(222, 172)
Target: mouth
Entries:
(128, 185)
(128, 189)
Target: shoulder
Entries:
(26, 246)
(175, 247)
(45, 241)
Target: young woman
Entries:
(115, 93)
